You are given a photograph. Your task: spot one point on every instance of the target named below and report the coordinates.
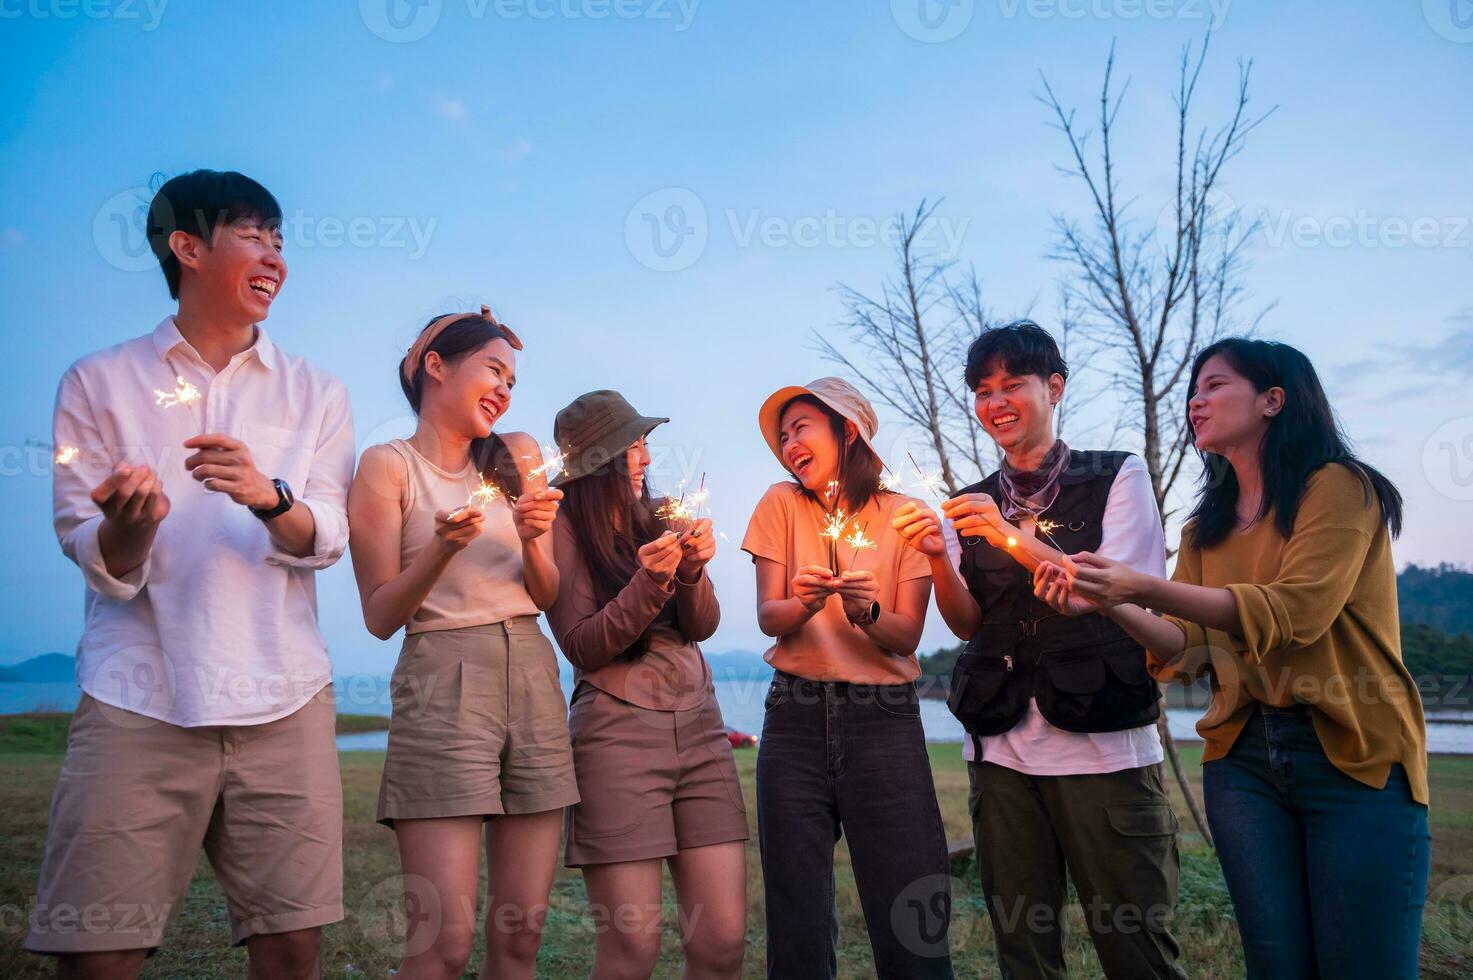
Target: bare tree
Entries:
(911, 341)
(1150, 300)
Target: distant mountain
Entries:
(45, 668)
(738, 665)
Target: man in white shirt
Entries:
(201, 478)
(1063, 754)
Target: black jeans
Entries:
(837, 759)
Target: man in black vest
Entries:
(1063, 755)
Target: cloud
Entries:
(516, 151)
(448, 108)
(1449, 356)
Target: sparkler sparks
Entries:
(481, 497)
(553, 461)
(928, 484)
(892, 481)
(184, 393)
(860, 541)
(66, 454)
(675, 509)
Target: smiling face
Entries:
(241, 272)
(474, 390)
(808, 446)
(1226, 411)
(1017, 410)
(637, 460)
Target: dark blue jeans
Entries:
(1327, 875)
(850, 759)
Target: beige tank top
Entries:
(483, 583)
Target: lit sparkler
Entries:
(184, 393)
(892, 481)
(927, 484)
(675, 509)
(553, 461)
(833, 529)
(481, 497)
(66, 454)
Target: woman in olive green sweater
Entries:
(1315, 767)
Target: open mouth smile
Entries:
(800, 460)
(264, 285)
(1004, 420)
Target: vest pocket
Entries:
(1103, 688)
(987, 696)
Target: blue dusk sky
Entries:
(662, 195)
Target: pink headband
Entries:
(428, 334)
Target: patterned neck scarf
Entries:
(1028, 493)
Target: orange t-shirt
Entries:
(785, 529)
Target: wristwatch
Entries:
(872, 615)
(284, 501)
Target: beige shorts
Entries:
(479, 727)
(653, 782)
(138, 797)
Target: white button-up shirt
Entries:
(218, 626)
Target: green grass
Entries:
(45, 731)
(197, 941)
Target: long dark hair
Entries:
(1303, 437)
(859, 467)
(610, 525)
(491, 457)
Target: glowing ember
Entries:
(184, 393)
(66, 454)
(1012, 541)
(675, 509)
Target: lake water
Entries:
(741, 705)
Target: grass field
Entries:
(363, 944)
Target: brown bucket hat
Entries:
(837, 394)
(595, 428)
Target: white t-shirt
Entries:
(1131, 534)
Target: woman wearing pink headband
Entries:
(449, 538)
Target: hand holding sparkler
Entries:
(859, 590)
(1054, 585)
(455, 529)
(919, 528)
(553, 461)
(132, 497)
(661, 557)
(224, 464)
(976, 515)
(1103, 581)
(696, 550)
(813, 585)
(533, 513)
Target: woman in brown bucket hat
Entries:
(655, 772)
(449, 537)
(842, 751)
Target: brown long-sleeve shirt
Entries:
(1318, 625)
(671, 675)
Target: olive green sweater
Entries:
(1318, 625)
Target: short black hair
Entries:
(196, 203)
(1022, 347)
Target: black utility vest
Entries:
(1085, 672)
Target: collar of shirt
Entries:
(166, 337)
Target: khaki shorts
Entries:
(137, 798)
(479, 728)
(653, 782)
